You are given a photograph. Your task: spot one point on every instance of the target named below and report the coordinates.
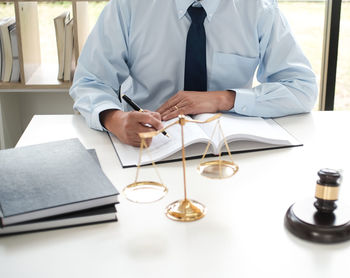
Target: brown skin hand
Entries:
(127, 125)
(192, 102)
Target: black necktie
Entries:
(196, 62)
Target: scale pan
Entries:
(145, 191)
(217, 169)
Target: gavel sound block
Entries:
(322, 220)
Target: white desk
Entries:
(242, 235)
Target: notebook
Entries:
(90, 216)
(50, 179)
(242, 134)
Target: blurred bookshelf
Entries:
(37, 41)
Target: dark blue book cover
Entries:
(50, 179)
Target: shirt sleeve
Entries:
(287, 83)
(103, 65)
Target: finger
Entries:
(170, 116)
(137, 143)
(170, 110)
(154, 114)
(164, 107)
(146, 118)
(180, 108)
(142, 129)
(148, 142)
(135, 139)
(177, 106)
(175, 109)
(170, 103)
(174, 114)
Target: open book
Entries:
(242, 134)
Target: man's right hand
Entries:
(127, 125)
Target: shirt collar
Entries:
(209, 6)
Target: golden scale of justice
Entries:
(150, 191)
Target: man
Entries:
(172, 71)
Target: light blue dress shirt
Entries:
(144, 42)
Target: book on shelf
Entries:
(69, 58)
(60, 23)
(0, 57)
(242, 134)
(50, 179)
(15, 73)
(6, 50)
(89, 216)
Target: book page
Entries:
(161, 146)
(243, 128)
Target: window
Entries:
(342, 86)
(306, 19)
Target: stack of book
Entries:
(65, 46)
(53, 185)
(9, 62)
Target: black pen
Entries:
(137, 108)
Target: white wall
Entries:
(11, 119)
(18, 108)
(44, 104)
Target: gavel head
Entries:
(327, 190)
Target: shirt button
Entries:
(180, 12)
(244, 108)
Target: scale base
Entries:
(304, 221)
(185, 210)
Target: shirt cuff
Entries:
(244, 101)
(95, 119)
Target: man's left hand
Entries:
(192, 102)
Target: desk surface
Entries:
(242, 234)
